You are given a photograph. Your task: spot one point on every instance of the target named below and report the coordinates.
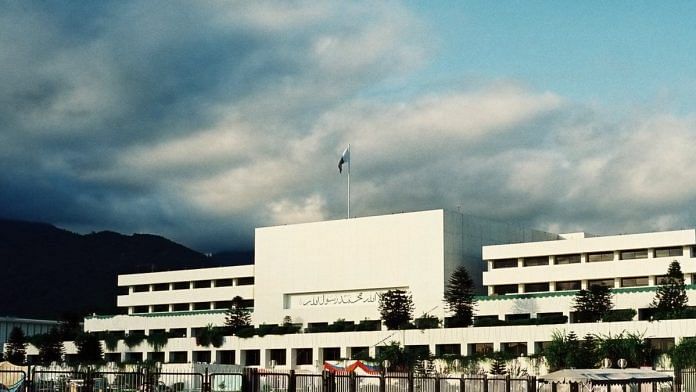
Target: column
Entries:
(583, 258)
(264, 358)
(552, 286)
(617, 282)
(344, 352)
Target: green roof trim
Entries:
(551, 294)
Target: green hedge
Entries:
(620, 315)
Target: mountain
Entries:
(47, 272)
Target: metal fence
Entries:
(258, 380)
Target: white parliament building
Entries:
(316, 273)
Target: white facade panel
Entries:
(368, 255)
(591, 244)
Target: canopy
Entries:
(356, 366)
(605, 376)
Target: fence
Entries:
(250, 380)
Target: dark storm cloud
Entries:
(202, 120)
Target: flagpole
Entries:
(349, 159)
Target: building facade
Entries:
(319, 273)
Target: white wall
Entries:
(342, 258)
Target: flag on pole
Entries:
(345, 158)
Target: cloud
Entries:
(201, 121)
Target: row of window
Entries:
(183, 307)
(576, 285)
(631, 254)
(304, 356)
(196, 284)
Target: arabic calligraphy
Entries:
(341, 299)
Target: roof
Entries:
(605, 376)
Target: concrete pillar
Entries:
(651, 253)
(617, 282)
(520, 262)
(372, 350)
(318, 357)
(583, 258)
(583, 284)
(292, 362)
(552, 260)
(344, 352)
(520, 287)
(552, 286)
(617, 255)
(651, 280)
(265, 358)
(491, 291)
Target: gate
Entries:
(685, 380)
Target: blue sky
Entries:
(200, 121)
(610, 53)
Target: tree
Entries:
(593, 304)
(16, 351)
(670, 299)
(89, 348)
(498, 365)
(237, 316)
(459, 297)
(396, 308)
(400, 359)
(50, 347)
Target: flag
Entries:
(345, 158)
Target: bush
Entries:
(111, 341)
(133, 339)
(561, 319)
(426, 321)
(369, 325)
(265, 329)
(683, 355)
(246, 332)
(488, 322)
(620, 315)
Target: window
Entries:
(505, 289)
(278, 355)
(248, 303)
(567, 259)
(177, 332)
(359, 352)
(141, 309)
(448, 349)
(223, 282)
(504, 263)
(155, 356)
(480, 348)
(332, 353)
(181, 285)
(568, 285)
(534, 261)
(304, 356)
(178, 357)
(251, 357)
(160, 308)
(226, 357)
(603, 256)
(669, 252)
(223, 304)
(201, 306)
(634, 282)
(180, 307)
(141, 288)
(515, 348)
(634, 254)
(155, 331)
(202, 284)
(201, 356)
(245, 281)
(601, 282)
(661, 279)
(160, 287)
(536, 287)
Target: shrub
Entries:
(560, 319)
(246, 332)
(111, 341)
(133, 339)
(426, 321)
(620, 315)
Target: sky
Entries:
(201, 121)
